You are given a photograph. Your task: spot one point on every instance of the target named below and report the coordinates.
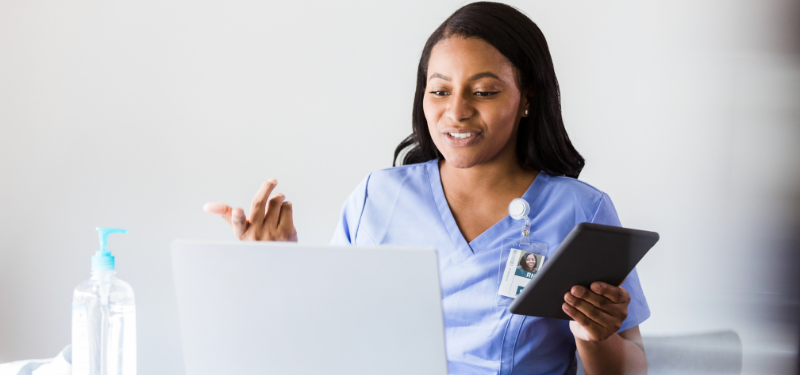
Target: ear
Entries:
(525, 102)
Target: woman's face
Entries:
(472, 102)
(530, 262)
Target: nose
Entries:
(459, 108)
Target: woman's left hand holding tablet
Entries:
(270, 219)
(598, 312)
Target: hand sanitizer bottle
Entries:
(103, 319)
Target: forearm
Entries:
(614, 355)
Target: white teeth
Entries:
(460, 135)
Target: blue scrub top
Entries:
(406, 206)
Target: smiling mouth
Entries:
(462, 138)
(460, 135)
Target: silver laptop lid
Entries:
(278, 308)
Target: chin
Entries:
(461, 162)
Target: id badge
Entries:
(519, 263)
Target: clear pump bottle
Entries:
(103, 319)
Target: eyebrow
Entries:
(473, 78)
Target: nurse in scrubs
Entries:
(487, 128)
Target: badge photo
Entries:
(520, 267)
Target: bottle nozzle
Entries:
(102, 259)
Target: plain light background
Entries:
(134, 114)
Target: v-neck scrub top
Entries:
(406, 206)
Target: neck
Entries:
(501, 174)
(103, 274)
(479, 195)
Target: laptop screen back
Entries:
(278, 308)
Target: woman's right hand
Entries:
(270, 218)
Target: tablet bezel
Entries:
(589, 253)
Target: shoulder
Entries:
(576, 194)
(390, 179)
(378, 199)
(571, 188)
(393, 174)
(387, 183)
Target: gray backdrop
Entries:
(134, 114)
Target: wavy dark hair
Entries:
(542, 140)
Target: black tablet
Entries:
(591, 252)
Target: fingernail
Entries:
(597, 287)
(569, 298)
(578, 291)
(565, 307)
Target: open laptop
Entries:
(278, 308)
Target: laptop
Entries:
(284, 308)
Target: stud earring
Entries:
(526, 112)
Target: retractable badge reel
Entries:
(519, 209)
(520, 257)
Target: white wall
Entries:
(133, 114)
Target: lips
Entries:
(461, 138)
(460, 135)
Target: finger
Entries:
(257, 207)
(286, 221)
(219, 209)
(238, 222)
(593, 328)
(595, 299)
(274, 211)
(616, 294)
(598, 316)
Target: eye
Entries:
(439, 92)
(486, 93)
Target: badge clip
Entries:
(519, 209)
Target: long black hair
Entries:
(542, 140)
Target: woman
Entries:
(528, 262)
(487, 128)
